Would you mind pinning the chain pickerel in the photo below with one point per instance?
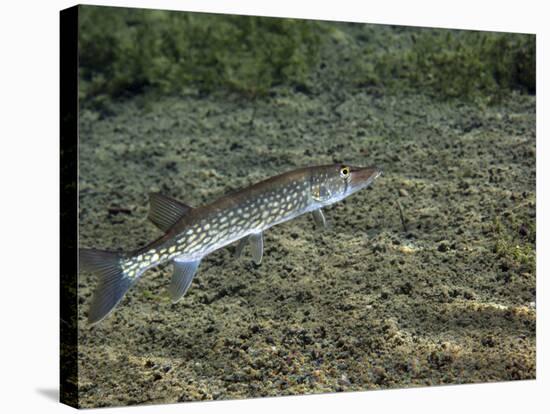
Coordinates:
(192, 233)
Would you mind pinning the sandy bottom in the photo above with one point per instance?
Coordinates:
(446, 296)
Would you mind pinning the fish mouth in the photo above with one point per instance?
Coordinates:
(362, 177)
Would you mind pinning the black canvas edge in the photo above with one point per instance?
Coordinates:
(68, 126)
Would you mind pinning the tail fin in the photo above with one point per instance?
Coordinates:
(113, 282)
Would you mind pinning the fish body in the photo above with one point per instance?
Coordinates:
(192, 233)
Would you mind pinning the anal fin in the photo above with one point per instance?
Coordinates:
(184, 272)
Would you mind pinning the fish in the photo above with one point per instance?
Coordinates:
(190, 234)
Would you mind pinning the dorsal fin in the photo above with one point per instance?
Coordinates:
(165, 211)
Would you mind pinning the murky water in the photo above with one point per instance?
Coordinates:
(441, 294)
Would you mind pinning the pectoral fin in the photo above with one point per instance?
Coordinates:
(319, 218)
(165, 211)
(257, 245)
(184, 272)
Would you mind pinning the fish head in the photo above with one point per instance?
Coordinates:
(332, 183)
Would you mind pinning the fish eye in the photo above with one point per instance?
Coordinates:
(344, 171)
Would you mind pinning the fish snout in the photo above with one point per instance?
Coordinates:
(362, 177)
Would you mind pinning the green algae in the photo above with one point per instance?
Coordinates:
(124, 52)
(517, 252)
(451, 63)
(128, 51)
